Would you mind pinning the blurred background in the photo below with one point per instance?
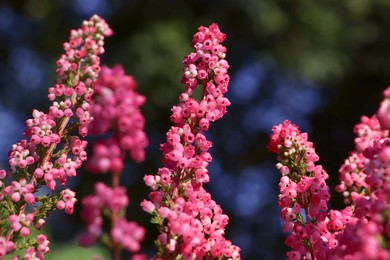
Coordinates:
(321, 64)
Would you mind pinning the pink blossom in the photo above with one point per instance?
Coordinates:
(128, 234)
(113, 199)
(193, 226)
(117, 103)
(5, 246)
(116, 109)
(383, 112)
(50, 154)
(304, 194)
(148, 206)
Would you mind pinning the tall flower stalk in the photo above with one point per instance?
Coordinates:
(52, 151)
(190, 223)
(365, 184)
(304, 193)
(359, 231)
(116, 112)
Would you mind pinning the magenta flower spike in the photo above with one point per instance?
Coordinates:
(361, 229)
(303, 194)
(365, 184)
(116, 111)
(191, 224)
(51, 152)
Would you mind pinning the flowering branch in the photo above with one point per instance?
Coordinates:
(50, 154)
(190, 223)
(360, 230)
(116, 109)
(304, 193)
(365, 184)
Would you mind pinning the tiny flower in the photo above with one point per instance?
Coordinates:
(148, 206)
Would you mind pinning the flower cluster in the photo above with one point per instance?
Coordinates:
(117, 106)
(190, 223)
(67, 201)
(50, 154)
(360, 230)
(304, 193)
(365, 183)
(42, 249)
(116, 112)
(352, 174)
(127, 234)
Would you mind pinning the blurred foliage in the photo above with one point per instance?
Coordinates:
(73, 251)
(151, 50)
(320, 63)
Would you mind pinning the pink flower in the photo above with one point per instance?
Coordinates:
(128, 234)
(116, 108)
(177, 194)
(148, 206)
(383, 112)
(68, 201)
(49, 154)
(117, 104)
(303, 189)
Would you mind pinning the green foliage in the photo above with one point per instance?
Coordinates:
(321, 39)
(73, 251)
